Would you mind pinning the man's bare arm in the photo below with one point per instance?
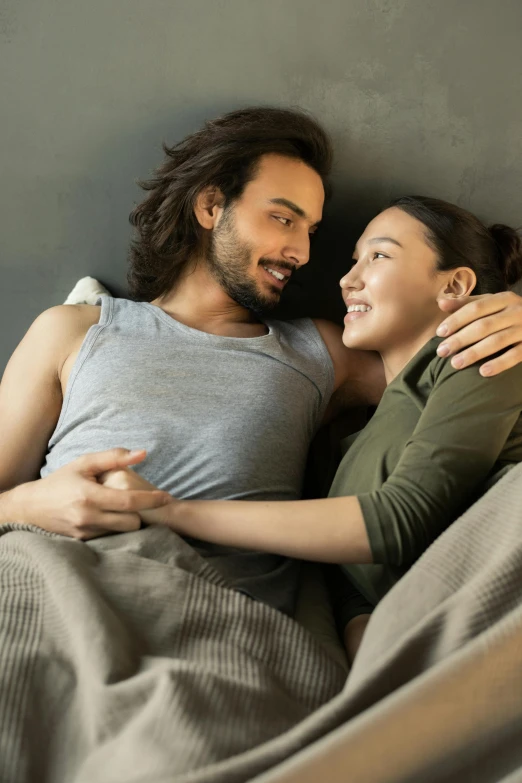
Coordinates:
(31, 394)
(70, 501)
(359, 375)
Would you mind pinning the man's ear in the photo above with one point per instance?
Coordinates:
(208, 206)
(460, 282)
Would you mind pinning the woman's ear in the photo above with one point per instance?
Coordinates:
(208, 206)
(460, 282)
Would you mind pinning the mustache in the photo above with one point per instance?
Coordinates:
(281, 264)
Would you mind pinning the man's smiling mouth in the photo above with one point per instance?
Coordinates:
(275, 273)
(279, 277)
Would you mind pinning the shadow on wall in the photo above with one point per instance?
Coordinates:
(315, 289)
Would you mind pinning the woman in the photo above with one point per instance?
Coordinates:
(438, 437)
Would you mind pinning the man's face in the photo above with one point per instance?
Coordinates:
(264, 237)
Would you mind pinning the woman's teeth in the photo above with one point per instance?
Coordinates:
(358, 308)
(273, 272)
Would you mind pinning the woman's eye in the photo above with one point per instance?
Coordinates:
(382, 255)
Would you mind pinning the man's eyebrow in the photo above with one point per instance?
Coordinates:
(385, 239)
(284, 202)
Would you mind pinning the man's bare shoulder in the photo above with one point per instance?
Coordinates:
(332, 335)
(359, 375)
(344, 359)
(68, 316)
(56, 332)
(328, 329)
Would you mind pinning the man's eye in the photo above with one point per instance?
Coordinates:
(285, 221)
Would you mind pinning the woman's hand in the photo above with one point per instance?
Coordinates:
(480, 327)
(353, 635)
(127, 479)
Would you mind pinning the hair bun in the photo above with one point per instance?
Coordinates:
(509, 246)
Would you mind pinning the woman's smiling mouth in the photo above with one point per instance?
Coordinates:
(356, 309)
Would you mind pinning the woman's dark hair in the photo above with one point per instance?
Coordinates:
(461, 239)
(224, 154)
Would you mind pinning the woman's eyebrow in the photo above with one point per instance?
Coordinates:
(385, 239)
(374, 241)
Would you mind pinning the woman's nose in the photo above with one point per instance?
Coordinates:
(352, 279)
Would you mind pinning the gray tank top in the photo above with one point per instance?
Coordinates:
(220, 417)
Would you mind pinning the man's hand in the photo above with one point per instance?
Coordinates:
(129, 481)
(73, 503)
(483, 325)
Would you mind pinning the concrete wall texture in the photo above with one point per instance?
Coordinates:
(421, 96)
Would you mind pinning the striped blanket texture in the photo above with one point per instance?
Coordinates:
(129, 659)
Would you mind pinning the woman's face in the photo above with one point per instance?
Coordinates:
(393, 285)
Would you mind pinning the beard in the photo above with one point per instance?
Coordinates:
(230, 260)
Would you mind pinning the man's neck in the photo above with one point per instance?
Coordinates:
(200, 302)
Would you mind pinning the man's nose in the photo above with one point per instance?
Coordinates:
(298, 252)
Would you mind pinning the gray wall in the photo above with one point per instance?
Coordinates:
(420, 96)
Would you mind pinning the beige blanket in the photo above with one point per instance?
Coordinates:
(128, 659)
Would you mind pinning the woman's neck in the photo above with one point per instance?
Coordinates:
(397, 357)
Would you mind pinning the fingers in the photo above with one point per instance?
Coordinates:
(476, 333)
(102, 461)
(484, 326)
(483, 349)
(125, 479)
(501, 363)
(132, 500)
(473, 308)
(115, 479)
(102, 523)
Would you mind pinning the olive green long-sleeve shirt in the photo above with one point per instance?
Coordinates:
(438, 438)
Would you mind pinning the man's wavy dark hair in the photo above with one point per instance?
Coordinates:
(224, 154)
